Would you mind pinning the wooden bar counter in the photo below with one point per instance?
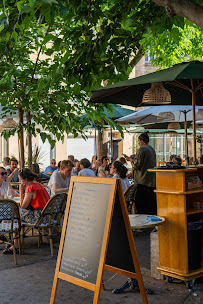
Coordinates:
(175, 204)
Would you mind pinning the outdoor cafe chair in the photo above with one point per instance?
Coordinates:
(10, 223)
(130, 195)
(49, 223)
(47, 188)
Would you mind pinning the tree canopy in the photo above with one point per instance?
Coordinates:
(53, 53)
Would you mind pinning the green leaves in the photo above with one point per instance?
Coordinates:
(32, 3)
(20, 5)
(52, 74)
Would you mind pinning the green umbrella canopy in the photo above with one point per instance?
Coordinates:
(158, 131)
(178, 80)
(117, 112)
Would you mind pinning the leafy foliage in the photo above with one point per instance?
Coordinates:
(53, 53)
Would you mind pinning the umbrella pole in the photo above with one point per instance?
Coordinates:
(194, 125)
(111, 145)
(186, 139)
(95, 141)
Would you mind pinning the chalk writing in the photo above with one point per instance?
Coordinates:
(85, 228)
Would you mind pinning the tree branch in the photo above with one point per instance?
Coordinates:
(184, 8)
(40, 49)
(88, 19)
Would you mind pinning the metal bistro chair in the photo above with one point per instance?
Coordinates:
(130, 195)
(10, 222)
(49, 220)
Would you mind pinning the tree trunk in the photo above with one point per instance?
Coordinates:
(29, 140)
(101, 147)
(21, 138)
(184, 8)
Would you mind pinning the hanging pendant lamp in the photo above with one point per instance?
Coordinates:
(196, 125)
(9, 123)
(157, 94)
(174, 125)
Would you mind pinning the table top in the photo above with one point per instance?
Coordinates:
(138, 221)
(16, 199)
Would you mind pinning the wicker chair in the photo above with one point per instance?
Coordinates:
(10, 222)
(49, 220)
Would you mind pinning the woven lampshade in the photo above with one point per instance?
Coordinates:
(197, 126)
(166, 116)
(174, 125)
(9, 123)
(157, 94)
(122, 123)
(2, 128)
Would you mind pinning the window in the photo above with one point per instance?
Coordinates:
(148, 57)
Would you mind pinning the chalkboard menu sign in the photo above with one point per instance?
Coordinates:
(119, 252)
(85, 229)
(96, 235)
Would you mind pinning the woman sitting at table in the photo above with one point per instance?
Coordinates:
(31, 202)
(5, 186)
(103, 169)
(118, 170)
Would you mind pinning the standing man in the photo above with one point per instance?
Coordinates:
(13, 171)
(145, 159)
(50, 169)
(60, 180)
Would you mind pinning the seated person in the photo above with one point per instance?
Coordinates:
(76, 169)
(5, 185)
(123, 161)
(6, 162)
(118, 170)
(60, 180)
(85, 168)
(13, 171)
(103, 169)
(36, 170)
(72, 158)
(50, 169)
(94, 166)
(31, 202)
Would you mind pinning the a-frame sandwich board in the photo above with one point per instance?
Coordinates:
(95, 218)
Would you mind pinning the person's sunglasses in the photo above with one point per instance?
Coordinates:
(106, 158)
(3, 173)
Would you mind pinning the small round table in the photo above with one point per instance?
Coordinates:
(141, 221)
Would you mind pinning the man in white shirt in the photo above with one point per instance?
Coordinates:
(85, 168)
(60, 180)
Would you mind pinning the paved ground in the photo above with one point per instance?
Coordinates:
(30, 282)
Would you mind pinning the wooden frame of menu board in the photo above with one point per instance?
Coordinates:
(95, 220)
